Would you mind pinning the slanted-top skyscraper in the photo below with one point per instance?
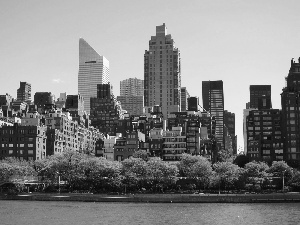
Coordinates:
(93, 70)
(162, 72)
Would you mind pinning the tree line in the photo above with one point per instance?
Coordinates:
(140, 173)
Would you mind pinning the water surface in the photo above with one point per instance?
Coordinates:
(73, 213)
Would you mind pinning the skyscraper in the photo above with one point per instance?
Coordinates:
(162, 72)
(105, 110)
(93, 70)
(184, 99)
(229, 122)
(132, 96)
(290, 103)
(213, 102)
(24, 92)
(132, 87)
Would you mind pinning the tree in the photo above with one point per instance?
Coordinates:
(226, 174)
(141, 154)
(241, 160)
(186, 163)
(80, 171)
(134, 171)
(103, 175)
(294, 182)
(224, 155)
(281, 169)
(161, 174)
(256, 173)
(14, 169)
(201, 171)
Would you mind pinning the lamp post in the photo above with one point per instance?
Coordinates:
(283, 181)
(58, 182)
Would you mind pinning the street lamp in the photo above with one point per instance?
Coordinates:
(58, 182)
(283, 181)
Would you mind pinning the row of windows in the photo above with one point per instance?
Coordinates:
(20, 151)
(30, 131)
(17, 145)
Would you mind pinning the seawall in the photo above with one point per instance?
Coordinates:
(160, 198)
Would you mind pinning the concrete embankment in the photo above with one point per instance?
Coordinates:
(160, 198)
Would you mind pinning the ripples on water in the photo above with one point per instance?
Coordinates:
(73, 213)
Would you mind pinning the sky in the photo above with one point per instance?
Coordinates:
(242, 43)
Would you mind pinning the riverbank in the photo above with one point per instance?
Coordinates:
(159, 198)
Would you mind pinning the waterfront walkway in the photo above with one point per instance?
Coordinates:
(158, 198)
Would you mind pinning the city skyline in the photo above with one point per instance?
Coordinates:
(241, 43)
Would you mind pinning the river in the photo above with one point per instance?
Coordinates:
(86, 213)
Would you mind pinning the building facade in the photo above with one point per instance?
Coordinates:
(213, 102)
(41, 99)
(184, 99)
(132, 104)
(290, 103)
(132, 96)
(132, 87)
(75, 103)
(93, 70)
(24, 92)
(162, 73)
(264, 137)
(174, 144)
(23, 142)
(260, 94)
(105, 110)
(229, 123)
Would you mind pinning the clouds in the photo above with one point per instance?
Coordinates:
(57, 80)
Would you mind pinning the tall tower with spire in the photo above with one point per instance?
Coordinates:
(162, 72)
(93, 70)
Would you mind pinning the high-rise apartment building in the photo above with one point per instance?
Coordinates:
(24, 92)
(75, 103)
(41, 99)
(213, 102)
(260, 96)
(132, 87)
(162, 72)
(132, 96)
(229, 122)
(93, 70)
(105, 110)
(184, 99)
(193, 104)
(262, 126)
(263, 135)
(290, 103)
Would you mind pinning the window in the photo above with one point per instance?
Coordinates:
(30, 145)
